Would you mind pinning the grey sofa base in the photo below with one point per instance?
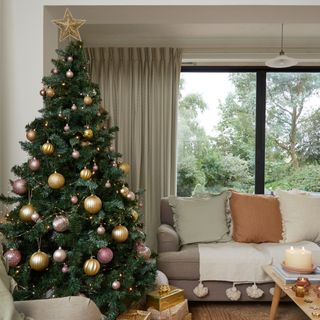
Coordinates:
(217, 290)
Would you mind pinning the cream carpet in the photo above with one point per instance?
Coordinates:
(243, 311)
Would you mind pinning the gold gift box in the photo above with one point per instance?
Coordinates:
(163, 301)
(135, 315)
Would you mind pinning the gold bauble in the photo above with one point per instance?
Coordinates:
(26, 212)
(135, 215)
(47, 148)
(91, 267)
(56, 180)
(31, 135)
(85, 174)
(88, 134)
(92, 204)
(39, 261)
(50, 92)
(125, 167)
(120, 233)
(124, 191)
(87, 100)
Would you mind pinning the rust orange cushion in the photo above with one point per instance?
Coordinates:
(255, 218)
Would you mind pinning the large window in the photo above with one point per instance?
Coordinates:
(249, 130)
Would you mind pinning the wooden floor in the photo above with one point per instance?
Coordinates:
(243, 311)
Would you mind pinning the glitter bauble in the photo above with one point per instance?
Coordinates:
(19, 186)
(65, 268)
(88, 134)
(60, 223)
(69, 74)
(108, 184)
(87, 100)
(85, 174)
(59, 255)
(13, 257)
(91, 267)
(35, 217)
(50, 92)
(74, 199)
(70, 59)
(39, 261)
(73, 107)
(26, 212)
(34, 164)
(120, 233)
(125, 167)
(131, 196)
(66, 128)
(105, 255)
(101, 230)
(56, 180)
(92, 204)
(115, 285)
(75, 154)
(31, 135)
(144, 252)
(47, 148)
(135, 215)
(124, 191)
(43, 92)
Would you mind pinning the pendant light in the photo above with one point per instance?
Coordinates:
(282, 60)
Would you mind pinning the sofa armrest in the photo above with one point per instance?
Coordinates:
(168, 239)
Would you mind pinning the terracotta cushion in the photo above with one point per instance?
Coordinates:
(255, 218)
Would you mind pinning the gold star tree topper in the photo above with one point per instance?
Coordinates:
(69, 26)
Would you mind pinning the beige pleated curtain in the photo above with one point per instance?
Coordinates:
(139, 88)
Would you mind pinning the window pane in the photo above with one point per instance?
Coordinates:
(216, 132)
(292, 131)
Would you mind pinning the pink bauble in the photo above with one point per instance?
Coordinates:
(140, 204)
(35, 217)
(65, 268)
(59, 255)
(108, 184)
(131, 196)
(69, 74)
(101, 230)
(60, 223)
(75, 154)
(105, 255)
(13, 257)
(19, 186)
(95, 167)
(116, 285)
(66, 128)
(34, 164)
(74, 199)
(73, 107)
(144, 252)
(55, 71)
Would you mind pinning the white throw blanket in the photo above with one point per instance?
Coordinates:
(242, 262)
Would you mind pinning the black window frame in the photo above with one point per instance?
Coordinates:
(261, 87)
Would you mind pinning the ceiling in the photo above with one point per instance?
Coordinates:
(209, 34)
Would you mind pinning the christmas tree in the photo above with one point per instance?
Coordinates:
(75, 224)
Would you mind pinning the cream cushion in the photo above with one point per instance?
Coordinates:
(300, 216)
(200, 219)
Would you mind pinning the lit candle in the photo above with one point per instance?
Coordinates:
(298, 258)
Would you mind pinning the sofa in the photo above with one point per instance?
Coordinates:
(180, 261)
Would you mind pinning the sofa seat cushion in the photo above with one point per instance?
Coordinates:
(182, 264)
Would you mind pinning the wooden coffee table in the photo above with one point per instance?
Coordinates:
(311, 309)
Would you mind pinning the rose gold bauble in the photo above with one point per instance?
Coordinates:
(31, 135)
(88, 134)
(43, 92)
(75, 154)
(60, 223)
(135, 215)
(47, 148)
(34, 164)
(120, 233)
(13, 257)
(39, 261)
(59, 255)
(87, 100)
(92, 204)
(91, 267)
(116, 285)
(70, 59)
(74, 199)
(35, 216)
(144, 252)
(124, 191)
(73, 107)
(54, 71)
(85, 174)
(125, 167)
(56, 180)
(19, 186)
(69, 74)
(101, 230)
(108, 184)
(105, 255)
(50, 92)
(26, 212)
(131, 196)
